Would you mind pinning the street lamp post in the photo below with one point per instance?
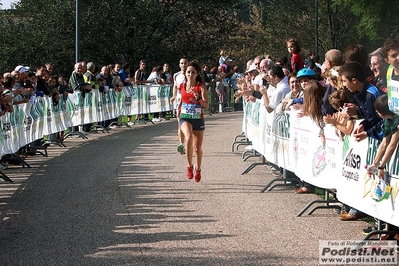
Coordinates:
(77, 45)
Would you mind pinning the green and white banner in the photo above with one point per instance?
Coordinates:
(29, 122)
(338, 163)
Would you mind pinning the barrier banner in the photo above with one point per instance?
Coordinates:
(85, 108)
(254, 125)
(9, 139)
(357, 189)
(277, 137)
(145, 99)
(132, 98)
(61, 114)
(315, 162)
(31, 121)
(336, 163)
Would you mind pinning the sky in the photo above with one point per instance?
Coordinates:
(6, 3)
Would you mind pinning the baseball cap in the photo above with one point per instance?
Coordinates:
(22, 69)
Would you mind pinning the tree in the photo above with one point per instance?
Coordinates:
(378, 19)
(116, 31)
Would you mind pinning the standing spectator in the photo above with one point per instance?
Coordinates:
(7, 99)
(358, 53)
(226, 68)
(296, 58)
(235, 77)
(223, 57)
(379, 67)
(333, 58)
(354, 78)
(194, 99)
(261, 79)
(155, 78)
(90, 78)
(77, 83)
(140, 78)
(41, 82)
(313, 94)
(296, 89)
(104, 71)
(391, 55)
(116, 79)
(221, 84)
(278, 80)
(390, 135)
(166, 76)
(155, 75)
(205, 73)
(50, 68)
(309, 62)
(84, 66)
(124, 74)
(340, 119)
(22, 75)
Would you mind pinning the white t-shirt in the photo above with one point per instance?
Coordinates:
(178, 78)
(154, 75)
(258, 80)
(282, 89)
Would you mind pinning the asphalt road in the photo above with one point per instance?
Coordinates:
(121, 198)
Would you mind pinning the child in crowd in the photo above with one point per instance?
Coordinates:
(102, 83)
(390, 135)
(313, 94)
(354, 78)
(223, 57)
(340, 120)
(53, 87)
(296, 58)
(387, 147)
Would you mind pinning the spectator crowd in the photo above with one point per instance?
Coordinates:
(349, 85)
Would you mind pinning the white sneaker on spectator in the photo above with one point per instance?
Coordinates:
(130, 123)
(156, 120)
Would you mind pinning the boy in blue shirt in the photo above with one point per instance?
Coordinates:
(354, 78)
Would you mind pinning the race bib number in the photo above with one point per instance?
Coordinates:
(190, 111)
(393, 96)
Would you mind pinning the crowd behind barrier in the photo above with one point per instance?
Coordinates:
(34, 120)
(294, 144)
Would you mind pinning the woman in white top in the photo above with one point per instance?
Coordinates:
(155, 76)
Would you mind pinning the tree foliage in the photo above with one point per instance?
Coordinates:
(115, 31)
(40, 31)
(378, 19)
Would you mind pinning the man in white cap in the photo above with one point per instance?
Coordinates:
(23, 74)
(22, 69)
(253, 72)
